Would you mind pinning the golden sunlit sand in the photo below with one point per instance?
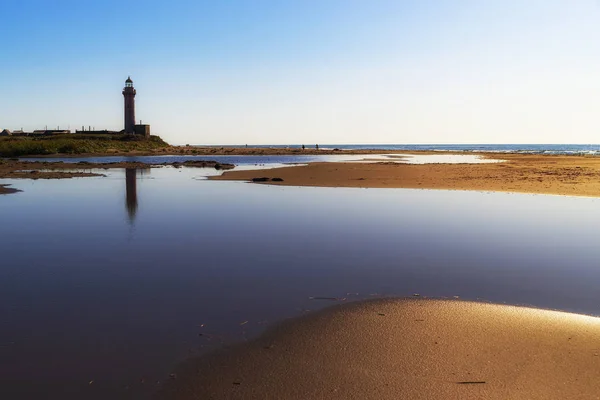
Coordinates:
(524, 173)
(406, 349)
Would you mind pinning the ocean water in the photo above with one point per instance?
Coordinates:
(493, 148)
(106, 283)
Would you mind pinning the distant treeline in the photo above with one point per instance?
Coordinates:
(77, 144)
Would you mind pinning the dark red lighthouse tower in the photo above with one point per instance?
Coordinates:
(129, 95)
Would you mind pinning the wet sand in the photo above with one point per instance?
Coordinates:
(406, 349)
(546, 174)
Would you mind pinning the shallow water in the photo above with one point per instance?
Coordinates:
(428, 159)
(447, 159)
(112, 279)
(273, 161)
(245, 160)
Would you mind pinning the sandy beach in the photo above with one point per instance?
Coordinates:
(523, 173)
(406, 349)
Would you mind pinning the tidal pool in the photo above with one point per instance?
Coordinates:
(106, 283)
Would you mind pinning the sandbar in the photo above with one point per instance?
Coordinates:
(523, 173)
(405, 349)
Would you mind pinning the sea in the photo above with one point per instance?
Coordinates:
(482, 148)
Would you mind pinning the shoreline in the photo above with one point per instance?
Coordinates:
(235, 151)
(405, 348)
(232, 151)
(568, 175)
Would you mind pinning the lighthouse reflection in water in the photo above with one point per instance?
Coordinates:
(131, 198)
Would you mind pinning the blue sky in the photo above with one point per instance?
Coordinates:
(326, 71)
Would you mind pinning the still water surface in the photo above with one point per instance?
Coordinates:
(111, 280)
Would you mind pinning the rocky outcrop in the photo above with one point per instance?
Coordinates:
(265, 179)
(201, 164)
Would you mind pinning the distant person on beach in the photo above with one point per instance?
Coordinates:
(317, 146)
(303, 147)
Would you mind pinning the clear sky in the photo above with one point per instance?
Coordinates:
(311, 71)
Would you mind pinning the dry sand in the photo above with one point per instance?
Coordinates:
(548, 174)
(406, 349)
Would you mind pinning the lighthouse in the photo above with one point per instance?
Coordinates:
(129, 95)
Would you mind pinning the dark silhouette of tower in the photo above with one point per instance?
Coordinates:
(131, 193)
(129, 95)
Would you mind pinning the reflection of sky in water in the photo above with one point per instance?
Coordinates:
(234, 159)
(446, 159)
(86, 295)
(426, 159)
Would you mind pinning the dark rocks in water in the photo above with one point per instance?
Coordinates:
(265, 179)
(201, 164)
(224, 166)
(207, 164)
(4, 189)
